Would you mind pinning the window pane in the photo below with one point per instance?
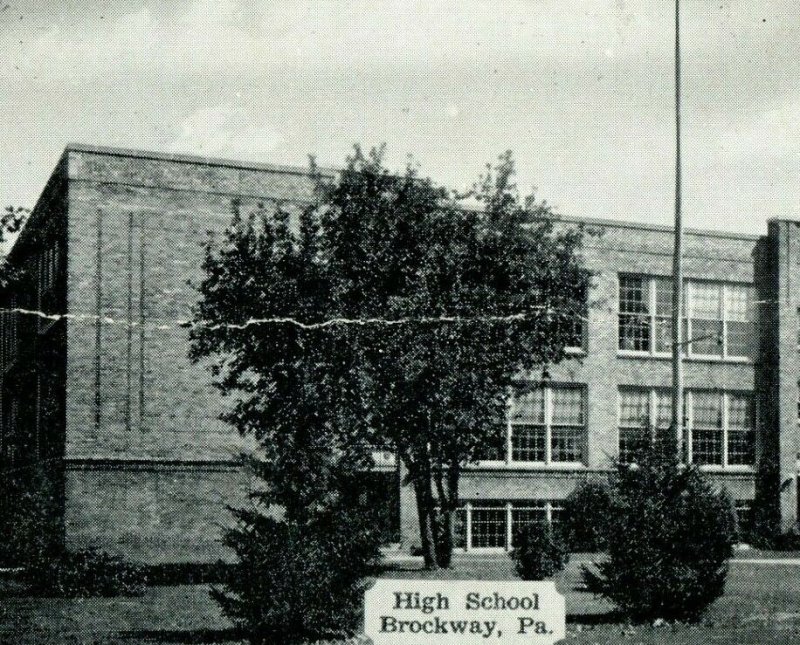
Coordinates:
(527, 442)
(740, 411)
(460, 528)
(633, 294)
(528, 407)
(663, 409)
(634, 408)
(634, 332)
(634, 309)
(741, 448)
(576, 334)
(707, 429)
(741, 433)
(707, 409)
(567, 443)
(741, 338)
(634, 421)
(663, 287)
(706, 336)
(705, 301)
(707, 446)
(663, 334)
(488, 527)
(567, 405)
(739, 303)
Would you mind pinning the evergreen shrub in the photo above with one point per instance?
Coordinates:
(298, 580)
(670, 536)
(538, 552)
(585, 518)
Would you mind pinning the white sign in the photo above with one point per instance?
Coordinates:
(463, 612)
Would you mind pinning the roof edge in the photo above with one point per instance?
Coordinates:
(330, 172)
(194, 159)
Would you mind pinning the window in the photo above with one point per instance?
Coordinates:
(577, 335)
(493, 524)
(545, 425)
(707, 428)
(741, 444)
(719, 317)
(721, 428)
(488, 525)
(527, 427)
(634, 313)
(640, 412)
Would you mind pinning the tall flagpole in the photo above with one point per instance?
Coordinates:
(677, 263)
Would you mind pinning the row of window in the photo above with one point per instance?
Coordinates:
(494, 524)
(719, 319)
(548, 425)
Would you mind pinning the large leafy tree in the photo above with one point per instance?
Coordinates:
(397, 318)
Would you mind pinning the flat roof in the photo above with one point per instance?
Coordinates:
(297, 170)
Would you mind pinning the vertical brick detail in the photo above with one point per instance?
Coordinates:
(129, 330)
(98, 334)
(142, 315)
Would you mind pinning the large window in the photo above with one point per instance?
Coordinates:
(545, 425)
(493, 524)
(719, 317)
(721, 428)
(642, 412)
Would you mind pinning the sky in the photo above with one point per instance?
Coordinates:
(581, 90)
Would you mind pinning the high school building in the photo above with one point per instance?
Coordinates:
(107, 400)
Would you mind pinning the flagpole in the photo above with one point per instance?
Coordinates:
(677, 264)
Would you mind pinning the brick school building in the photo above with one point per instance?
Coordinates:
(129, 428)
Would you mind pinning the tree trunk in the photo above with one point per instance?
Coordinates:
(444, 534)
(426, 528)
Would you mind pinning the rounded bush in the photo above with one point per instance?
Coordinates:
(585, 517)
(87, 573)
(538, 552)
(670, 536)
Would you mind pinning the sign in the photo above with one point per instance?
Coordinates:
(463, 612)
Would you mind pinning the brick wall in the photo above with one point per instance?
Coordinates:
(136, 227)
(153, 512)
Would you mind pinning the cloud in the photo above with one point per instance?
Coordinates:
(226, 130)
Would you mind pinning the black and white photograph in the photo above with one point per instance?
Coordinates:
(423, 322)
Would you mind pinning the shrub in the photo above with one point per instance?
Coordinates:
(585, 517)
(297, 580)
(670, 536)
(86, 573)
(538, 553)
(30, 509)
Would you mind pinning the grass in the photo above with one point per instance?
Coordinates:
(760, 606)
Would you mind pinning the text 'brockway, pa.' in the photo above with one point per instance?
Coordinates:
(463, 612)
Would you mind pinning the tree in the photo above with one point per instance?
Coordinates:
(412, 319)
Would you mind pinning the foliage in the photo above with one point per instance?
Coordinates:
(436, 310)
(12, 219)
(538, 552)
(29, 511)
(586, 516)
(297, 580)
(86, 573)
(670, 535)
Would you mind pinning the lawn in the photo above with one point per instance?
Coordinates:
(761, 606)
